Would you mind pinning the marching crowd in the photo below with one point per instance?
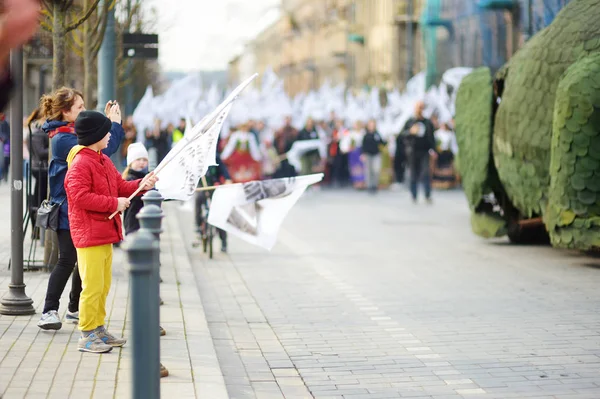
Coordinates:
(357, 155)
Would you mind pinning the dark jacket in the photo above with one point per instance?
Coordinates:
(371, 142)
(420, 144)
(306, 134)
(6, 86)
(130, 220)
(39, 144)
(4, 132)
(216, 174)
(61, 145)
(93, 185)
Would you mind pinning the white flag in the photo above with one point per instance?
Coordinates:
(301, 147)
(190, 159)
(255, 210)
(180, 173)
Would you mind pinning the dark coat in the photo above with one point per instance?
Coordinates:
(130, 220)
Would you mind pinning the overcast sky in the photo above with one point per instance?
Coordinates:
(206, 34)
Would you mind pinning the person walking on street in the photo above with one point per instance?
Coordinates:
(420, 145)
(61, 109)
(371, 156)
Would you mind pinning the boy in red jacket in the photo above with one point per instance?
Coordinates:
(95, 190)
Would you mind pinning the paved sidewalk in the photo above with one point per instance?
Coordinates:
(41, 364)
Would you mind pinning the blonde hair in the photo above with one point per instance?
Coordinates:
(53, 105)
(126, 172)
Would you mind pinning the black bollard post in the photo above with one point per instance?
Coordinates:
(150, 217)
(142, 249)
(153, 197)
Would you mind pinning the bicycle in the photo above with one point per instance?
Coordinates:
(207, 231)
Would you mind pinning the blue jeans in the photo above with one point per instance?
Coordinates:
(419, 171)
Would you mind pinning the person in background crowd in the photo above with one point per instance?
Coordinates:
(19, 20)
(179, 131)
(26, 154)
(350, 144)
(283, 141)
(339, 172)
(371, 155)
(95, 189)
(60, 109)
(400, 159)
(130, 137)
(420, 145)
(242, 155)
(214, 176)
(445, 175)
(4, 145)
(160, 140)
(39, 146)
(310, 158)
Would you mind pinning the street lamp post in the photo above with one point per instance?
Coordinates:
(16, 302)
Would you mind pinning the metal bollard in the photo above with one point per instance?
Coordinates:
(150, 217)
(153, 197)
(142, 249)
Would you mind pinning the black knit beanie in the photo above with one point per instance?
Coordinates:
(91, 127)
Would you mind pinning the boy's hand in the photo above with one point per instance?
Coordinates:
(149, 181)
(123, 203)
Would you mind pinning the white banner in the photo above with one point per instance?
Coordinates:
(179, 176)
(254, 211)
(301, 147)
(190, 159)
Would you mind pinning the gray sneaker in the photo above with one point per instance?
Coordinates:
(72, 317)
(110, 339)
(50, 321)
(93, 344)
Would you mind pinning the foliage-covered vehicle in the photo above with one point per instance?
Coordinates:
(529, 137)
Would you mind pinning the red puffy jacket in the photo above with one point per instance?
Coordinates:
(93, 185)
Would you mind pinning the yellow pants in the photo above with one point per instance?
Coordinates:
(95, 269)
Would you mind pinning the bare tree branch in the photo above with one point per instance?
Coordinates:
(86, 15)
(77, 38)
(134, 11)
(64, 5)
(100, 34)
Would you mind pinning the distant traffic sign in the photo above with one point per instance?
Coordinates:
(140, 45)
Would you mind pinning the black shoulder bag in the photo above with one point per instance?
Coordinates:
(47, 215)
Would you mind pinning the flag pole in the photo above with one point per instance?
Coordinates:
(209, 188)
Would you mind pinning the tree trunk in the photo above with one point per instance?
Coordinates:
(88, 59)
(88, 65)
(59, 43)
